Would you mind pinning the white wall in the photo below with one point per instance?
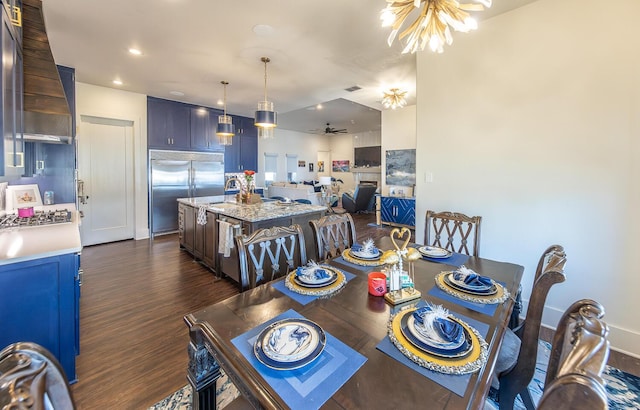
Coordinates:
(122, 105)
(398, 132)
(532, 121)
(305, 146)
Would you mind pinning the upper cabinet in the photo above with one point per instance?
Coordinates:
(178, 126)
(12, 156)
(243, 153)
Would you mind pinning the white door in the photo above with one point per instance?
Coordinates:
(105, 180)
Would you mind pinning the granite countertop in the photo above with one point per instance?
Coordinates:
(19, 244)
(252, 213)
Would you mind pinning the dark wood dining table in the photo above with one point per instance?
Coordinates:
(355, 318)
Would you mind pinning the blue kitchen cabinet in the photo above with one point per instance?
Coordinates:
(243, 153)
(398, 211)
(11, 103)
(39, 301)
(168, 124)
(204, 122)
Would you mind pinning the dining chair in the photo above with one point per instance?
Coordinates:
(32, 377)
(269, 253)
(333, 234)
(579, 354)
(516, 362)
(453, 231)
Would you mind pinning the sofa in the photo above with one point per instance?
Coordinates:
(295, 191)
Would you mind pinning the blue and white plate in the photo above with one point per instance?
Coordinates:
(313, 281)
(365, 255)
(434, 252)
(475, 290)
(464, 349)
(289, 344)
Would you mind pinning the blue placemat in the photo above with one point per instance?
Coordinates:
(456, 259)
(357, 267)
(486, 309)
(455, 383)
(310, 386)
(304, 299)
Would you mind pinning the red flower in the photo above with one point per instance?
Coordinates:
(249, 172)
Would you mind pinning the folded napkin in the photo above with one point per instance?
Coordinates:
(312, 273)
(437, 325)
(367, 247)
(469, 277)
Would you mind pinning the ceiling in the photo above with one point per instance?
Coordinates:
(317, 50)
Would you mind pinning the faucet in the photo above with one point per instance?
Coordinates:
(232, 179)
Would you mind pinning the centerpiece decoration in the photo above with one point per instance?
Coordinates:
(397, 294)
(247, 193)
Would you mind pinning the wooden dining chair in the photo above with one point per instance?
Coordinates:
(32, 377)
(269, 253)
(333, 234)
(453, 231)
(579, 354)
(516, 362)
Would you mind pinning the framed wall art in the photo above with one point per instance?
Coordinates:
(310, 166)
(302, 164)
(340, 165)
(22, 196)
(401, 167)
(320, 166)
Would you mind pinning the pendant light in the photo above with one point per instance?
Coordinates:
(226, 129)
(266, 117)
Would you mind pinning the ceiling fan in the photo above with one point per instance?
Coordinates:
(330, 130)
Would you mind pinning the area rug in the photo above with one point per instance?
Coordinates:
(623, 389)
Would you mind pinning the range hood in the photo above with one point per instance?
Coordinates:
(47, 117)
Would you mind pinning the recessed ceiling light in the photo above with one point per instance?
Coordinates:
(117, 82)
(319, 106)
(220, 102)
(135, 51)
(263, 29)
(177, 93)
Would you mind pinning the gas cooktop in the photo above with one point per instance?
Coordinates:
(39, 218)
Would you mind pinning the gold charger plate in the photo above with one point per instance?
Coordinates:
(293, 286)
(470, 363)
(346, 255)
(500, 296)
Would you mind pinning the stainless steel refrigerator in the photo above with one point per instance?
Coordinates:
(175, 174)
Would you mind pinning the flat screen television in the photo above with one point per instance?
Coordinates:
(367, 157)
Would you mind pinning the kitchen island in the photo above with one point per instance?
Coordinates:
(40, 286)
(199, 220)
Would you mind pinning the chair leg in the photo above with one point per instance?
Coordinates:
(526, 399)
(506, 396)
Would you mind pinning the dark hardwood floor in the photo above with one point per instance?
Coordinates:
(133, 342)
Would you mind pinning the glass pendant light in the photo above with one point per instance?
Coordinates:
(266, 117)
(225, 130)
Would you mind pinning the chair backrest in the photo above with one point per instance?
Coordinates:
(333, 234)
(28, 372)
(269, 253)
(514, 381)
(578, 357)
(303, 201)
(453, 231)
(362, 196)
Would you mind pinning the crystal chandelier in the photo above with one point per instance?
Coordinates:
(225, 130)
(265, 116)
(432, 25)
(394, 99)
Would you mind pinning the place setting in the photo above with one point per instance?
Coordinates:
(300, 360)
(306, 283)
(365, 254)
(437, 344)
(442, 255)
(466, 287)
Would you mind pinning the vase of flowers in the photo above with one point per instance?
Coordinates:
(247, 190)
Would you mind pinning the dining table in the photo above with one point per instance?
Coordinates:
(363, 369)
